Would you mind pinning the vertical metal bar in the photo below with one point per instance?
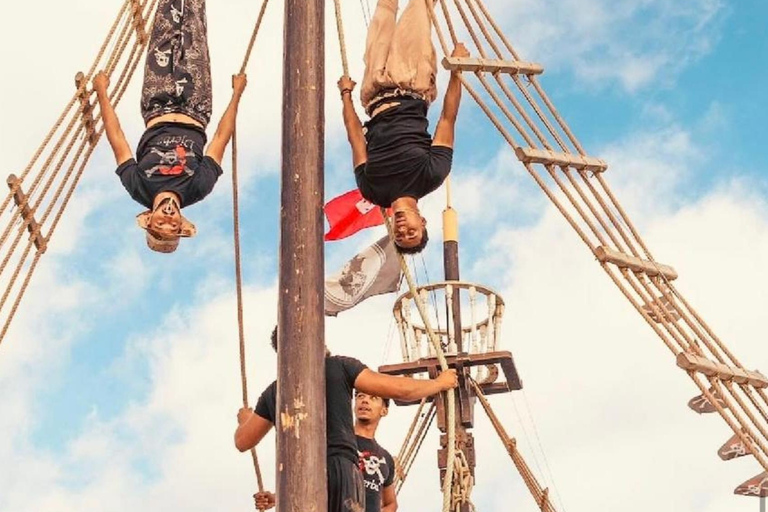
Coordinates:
(301, 439)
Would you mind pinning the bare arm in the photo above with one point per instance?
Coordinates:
(352, 123)
(388, 499)
(444, 133)
(115, 135)
(227, 124)
(251, 429)
(403, 388)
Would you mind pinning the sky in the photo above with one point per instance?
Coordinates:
(119, 379)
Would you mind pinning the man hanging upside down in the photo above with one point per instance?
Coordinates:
(342, 375)
(172, 168)
(396, 161)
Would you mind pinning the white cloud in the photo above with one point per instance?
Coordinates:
(632, 42)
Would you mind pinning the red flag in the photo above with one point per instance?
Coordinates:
(349, 213)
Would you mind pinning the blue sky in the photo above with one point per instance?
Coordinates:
(119, 379)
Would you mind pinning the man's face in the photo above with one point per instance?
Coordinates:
(166, 219)
(369, 408)
(409, 227)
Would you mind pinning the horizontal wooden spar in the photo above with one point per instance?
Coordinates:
(475, 65)
(724, 372)
(651, 268)
(548, 157)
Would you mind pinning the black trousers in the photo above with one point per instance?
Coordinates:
(346, 492)
(177, 73)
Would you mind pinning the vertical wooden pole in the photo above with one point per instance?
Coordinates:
(301, 445)
(465, 411)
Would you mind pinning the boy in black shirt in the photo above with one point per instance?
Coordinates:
(172, 168)
(396, 160)
(343, 375)
(377, 464)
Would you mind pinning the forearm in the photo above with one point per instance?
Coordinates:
(416, 389)
(452, 99)
(390, 507)
(114, 131)
(227, 124)
(351, 121)
(111, 122)
(354, 132)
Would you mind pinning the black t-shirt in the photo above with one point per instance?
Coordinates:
(340, 375)
(402, 162)
(170, 158)
(378, 469)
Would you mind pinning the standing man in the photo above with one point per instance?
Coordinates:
(376, 463)
(396, 160)
(342, 376)
(172, 168)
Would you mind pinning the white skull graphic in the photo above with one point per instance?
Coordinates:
(373, 466)
(180, 86)
(176, 13)
(162, 57)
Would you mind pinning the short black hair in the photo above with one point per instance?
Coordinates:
(274, 339)
(416, 249)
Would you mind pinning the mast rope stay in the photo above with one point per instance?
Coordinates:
(236, 241)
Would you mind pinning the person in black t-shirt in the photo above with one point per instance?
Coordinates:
(342, 376)
(396, 161)
(376, 463)
(173, 168)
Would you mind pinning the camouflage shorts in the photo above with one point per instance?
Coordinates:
(177, 73)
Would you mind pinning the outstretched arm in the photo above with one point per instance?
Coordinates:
(251, 429)
(444, 133)
(404, 388)
(352, 123)
(115, 135)
(227, 124)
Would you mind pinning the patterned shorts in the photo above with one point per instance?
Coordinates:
(177, 73)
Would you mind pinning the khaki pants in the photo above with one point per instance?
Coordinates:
(399, 54)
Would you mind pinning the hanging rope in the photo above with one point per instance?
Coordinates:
(342, 40)
(236, 235)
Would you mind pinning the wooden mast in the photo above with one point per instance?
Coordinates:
(301, 444)
(465, 411)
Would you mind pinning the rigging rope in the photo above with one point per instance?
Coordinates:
(236, 235)
(82, 122)
(592, 210)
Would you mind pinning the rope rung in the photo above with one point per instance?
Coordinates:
(667, 309)
(724, 372)
(138, 21)
(26, 213)
(650, 268)
(86, 109)
(478, 65)
(548, 157)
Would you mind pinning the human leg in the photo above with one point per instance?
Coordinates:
(177, 73)
(377, 44)
(412, 61)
